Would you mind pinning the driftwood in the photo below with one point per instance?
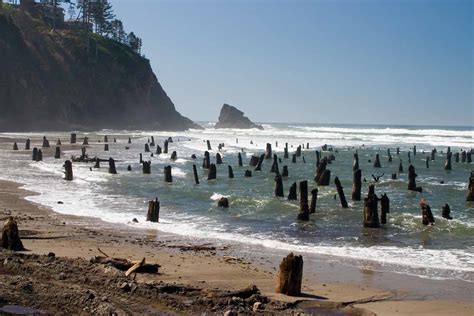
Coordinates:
(427, 217)
(278, 186)
(196, 177)
(68, 170)
(411, 180)
(125, 265)
(290, 275)
(168, 176)
(371, 216)
(446, 211)
(314, 198)
(10, 236)
(153, 214)
(340, 192)
(304, 208)
(212, 172)
(356, 185)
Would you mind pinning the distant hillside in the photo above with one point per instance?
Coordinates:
(59, 81)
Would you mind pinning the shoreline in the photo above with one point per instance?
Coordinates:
(233, 265)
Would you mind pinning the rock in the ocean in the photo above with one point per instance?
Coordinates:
(231, 117)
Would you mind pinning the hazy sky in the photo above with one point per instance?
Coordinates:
(386, 62)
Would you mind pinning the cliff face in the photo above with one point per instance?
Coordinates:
(67, 80)
(231, 117)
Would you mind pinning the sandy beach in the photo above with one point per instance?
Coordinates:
(188, 265)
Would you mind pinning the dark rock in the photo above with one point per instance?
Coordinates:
(231, 117)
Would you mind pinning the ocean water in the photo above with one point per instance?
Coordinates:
(255, 216)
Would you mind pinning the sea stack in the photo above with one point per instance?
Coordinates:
(231, 117)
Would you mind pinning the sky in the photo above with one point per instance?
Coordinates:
(308, 61)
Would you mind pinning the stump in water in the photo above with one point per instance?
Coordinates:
(68, 176)
(469, 157)
(325, 178)
(377, 162)
(470, 188)
(253, 161)
(206, 161)
(141, 158)
(146, 166)
(355, 163)
(260, 161)
(57, 153)
(304, 208)
(284, 172)
(394, 176)
(356, 185)
(45, 142)
(248, 173)
(320, 170)
(278, 186)
(27, 144)
(239, 157)
(208, 145)
(433, 154)
(340, 192)
(307, 145)
(218, 159)
(314, 199)
(398, 150)
(165, 147)
(112, 169)
(10, 236)
(463, 156)
(174, 155)
(427, 217)
(147, 148)
(223, 202)
(292, 194)
(158, 150)
(411, 179)
(97, 163)
(293, 158)
(298, 151)
(275, 168)
(73, 138)
(385, 208)
(456, 157)
(153, 214)
(400, 167)
(115, 140)
(152, 144)
(290, 275)
(212, 172)
(106, 147)
(129, 140)
(129, 168)
(268, 151)
(427, 162)
(318, 158)
(414, 150)
(196, 177)
(106, 139)
(409, 157)
(15, 146)
(285, 152)
(86, 141)
(371, 216)
(167, 172)
(231, 172)
(40, 155)
(446, 211)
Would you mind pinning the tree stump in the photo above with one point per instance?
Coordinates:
(463, 156)
(433, 154)
(409, 157)
(40, 155)
(152, 144)
(112, 169)
(239, 157)
(73, 138)
(158, 150)
(196, 177)
(218, 159)
(414, 150)
(57, 153)
(325, 178)
(231, 172)
(147, 148)
(129, 168)
(371, 216)
(223, 202)
(314, 199)
(141, 158)
(10, 236)
(411, 179)
(394, 176)
(115, 140)
(253, 161)
(278, 186)
(174, 155)
(456, 157)
(268, 151)
(275, 169)
(45, 142)
(106, 147)
(427, 162)
(129, 140)
(446, 211)
(27, 144)
(206, 161)
(298, 151)
(355, 163)
(167, 172)
(97, 163)
(321, 168)
(248, 173)
(377, 162)
(153, 214)
(292, 194)
(427, 217)
(260, 161)
(293, 158)
(304, 208)
(285, 152)
(165, 147)
(284, 172)
(340, 192)
(447, 164)
(68, 176)
(212, 172)
(15, 146)
(470, 188)
(106, 139)
(146, 167)
(209, 148)
(385, 208)
(356, 185)
(400, 167)
(469, 157)
(290, 275)
(85, 141)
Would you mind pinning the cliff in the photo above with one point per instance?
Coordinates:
(66, 79)
(231, 117)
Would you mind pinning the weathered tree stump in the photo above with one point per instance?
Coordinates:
(278, 186)
(463, 156)
(427, 217)
(115, 140)
(218, 159)
(318, 158)
(268, 151)
(152, 144)
(165, 147)
(129, 168)
(206, 161)
(106, 139)
(377, 162)
(275, 169)
(324, 147)
(15, 146)
(292, 194)
(356, 185)
(385, 208)
(196, 177)
(400, 167)
(106, 147)
(85, 142)
(446, 211)
(411, 179)
(174, 155)
(394, 176)
(168, 176)
(97, 163)
(141, 158)
(322, 177)
(433, 154)
(456, 157)
(209, 148)
(40, 155)
(253, 161)
(73, 138)
(409, 157)
(470, 188)
(146, 167)
(340, 192)
(10, 236)
(355, 162)
(414, 150)
(223, 202)
(304, 207)
(129, 140)
(398, 150)
(469, 157)
(293, 158)
(371, 216)
(239, 158)
(325, 178)
(284, 172)
(248, 173)
(231, 172)
(298, 151)
(427, 162)
(158, 150)
(27, 144)
(68, 176)
(112, 169)
(290, 275)
(57, 153)
(153, 214)
(260, 161)
(45, 142)
(314, 199)
(285, 152)
(307, 145)
(212, 172)
(147, 148)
